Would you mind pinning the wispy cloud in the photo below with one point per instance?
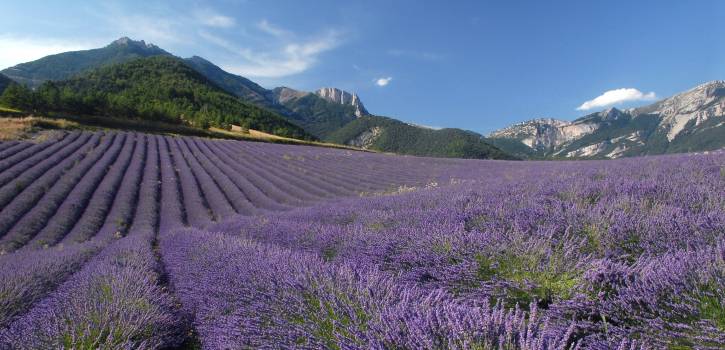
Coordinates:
(151, 28)
(286, 55)
(210, 18)
(16, 49)
(273, 30)
(615, 97)
(383, 81)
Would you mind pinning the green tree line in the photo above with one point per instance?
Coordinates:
(156, 88)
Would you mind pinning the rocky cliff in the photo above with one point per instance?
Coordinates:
(344, 98)
(690, 121)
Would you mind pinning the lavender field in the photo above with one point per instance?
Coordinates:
(129, 240)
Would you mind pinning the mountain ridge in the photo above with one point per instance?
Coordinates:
(693, 120)
(64, 65)
(320, 113)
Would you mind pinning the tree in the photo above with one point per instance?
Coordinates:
(17, 96)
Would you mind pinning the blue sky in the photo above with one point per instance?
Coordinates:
(478, 65)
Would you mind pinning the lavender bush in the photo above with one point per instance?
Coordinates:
(123, 240)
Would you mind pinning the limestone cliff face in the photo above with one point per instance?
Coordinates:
(343, 97)
(699, 104)
(546, 133)
(690, 121)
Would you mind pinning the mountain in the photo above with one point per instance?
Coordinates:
(64, 65)
(319, 115)
(691, 121)
(344, 98)
(390, 135)
(158, 88)
(236, 85)
(133, 79)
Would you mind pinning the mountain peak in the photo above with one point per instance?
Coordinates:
(126, 41)
(611, 113)
(344, 98)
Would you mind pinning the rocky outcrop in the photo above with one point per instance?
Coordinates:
(367, 138)
(546, 133)
(690, 121)
(284, 94)
(344, 98)
(698, 104)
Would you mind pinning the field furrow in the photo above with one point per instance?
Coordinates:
(17, 170)
(13, 147)
(172, 214)
(99, 205)
(269, 170)
(25, 153)
(23, 202)
(228, 189)
(73, 206)
(34, 220)
(217, 201)
(198, 213)
(122, 211)
(269, 186)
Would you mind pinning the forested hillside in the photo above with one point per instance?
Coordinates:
(159, 88)
(390, 135)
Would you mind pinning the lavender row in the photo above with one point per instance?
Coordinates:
(29, 197)
(216, 200)
(30, 275)
(64, 216)
(19, 169)
(259, 193)
(172, 212)
(99, 204)
(197, 210)
(270, 185)
(120, 216)
(114, 302)
(146, 210)
(245, 294)
(271, 170)
(228, 189)
(23, 153)
(13, 147)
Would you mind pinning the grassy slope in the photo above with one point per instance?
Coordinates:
(402, 138)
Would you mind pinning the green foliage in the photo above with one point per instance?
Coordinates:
(533, 276)
(319, 116)
(17, 96)
(402, 138)
(4, 83)
(159, 89)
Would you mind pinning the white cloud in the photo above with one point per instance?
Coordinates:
(160, 31)
(383, 81)
(16, 50)
(211, 19)
(273, 30)
(286, 55)
(617, 96)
